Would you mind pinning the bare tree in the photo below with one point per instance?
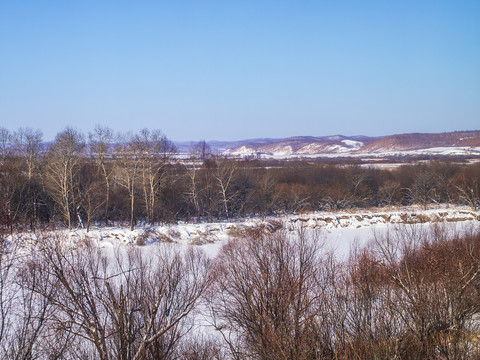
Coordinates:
(63, 158)
(198, 155)
(5, 142)
(100, 142)
(10, 181)
(424, 190)
(127, 170)
(91, 192)
(154, 151)
(467, 186)
(12, 187)
(268, 298)
(433, 278)
(28, 143)
(132, 306)
(224, 173)
(266, 195)
(388, 191)
(24, 313)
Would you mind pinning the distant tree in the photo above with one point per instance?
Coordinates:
(224, 173)
(424, 189)
(154, 151)
(100, 142)
(199, 154)
(91, 192)
(388, 192)
(266, 198)
(444, 173)
(28, 144)
(202, 151)
(467, 185)
(62, 167)
(127, 170)
(5, 142)
(12, 187)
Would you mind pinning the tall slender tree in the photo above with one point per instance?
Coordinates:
(100, 143)
(63, 158)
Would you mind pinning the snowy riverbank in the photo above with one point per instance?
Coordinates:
(340, 229)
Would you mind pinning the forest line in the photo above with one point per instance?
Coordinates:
(136, 179)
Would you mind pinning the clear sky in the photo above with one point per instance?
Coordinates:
(230, 70)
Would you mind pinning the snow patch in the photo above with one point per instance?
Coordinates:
(284, 150)
(353, 144)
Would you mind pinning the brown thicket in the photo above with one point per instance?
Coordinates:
(268, 301)
(411, 294)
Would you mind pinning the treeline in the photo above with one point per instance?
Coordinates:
(412, 294)
(109, 179)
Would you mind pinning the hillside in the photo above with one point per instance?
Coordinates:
(450, 143)
(302, 146)
(416, 141)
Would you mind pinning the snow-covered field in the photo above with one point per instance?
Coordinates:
(339, 229)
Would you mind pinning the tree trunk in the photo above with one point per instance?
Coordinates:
(132, 197)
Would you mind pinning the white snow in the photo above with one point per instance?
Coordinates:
(337, 149)
(351, 148)
(312, 148)
(353, 144)
(241, 151)
(282, 150)
(340, 229)
(448, 150)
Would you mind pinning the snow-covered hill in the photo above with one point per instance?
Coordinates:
(453, 143)
(300, 146)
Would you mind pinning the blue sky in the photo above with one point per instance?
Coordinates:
(229, 70)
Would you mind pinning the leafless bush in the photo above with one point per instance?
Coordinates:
(132, 305)
(268, 298)
(422, 295)
(412, 294)
(200, 348)
(24, 313)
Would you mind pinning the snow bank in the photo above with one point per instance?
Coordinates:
(340, 229)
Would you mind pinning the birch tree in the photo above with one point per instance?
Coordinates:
(63, 158)
(198, 155)
(224, 174)
(154, 151)
(28, 144)
(127, 164)
(100, 142)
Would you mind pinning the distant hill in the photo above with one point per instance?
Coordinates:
(301, 146)
(458, 142)
(417, 141)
